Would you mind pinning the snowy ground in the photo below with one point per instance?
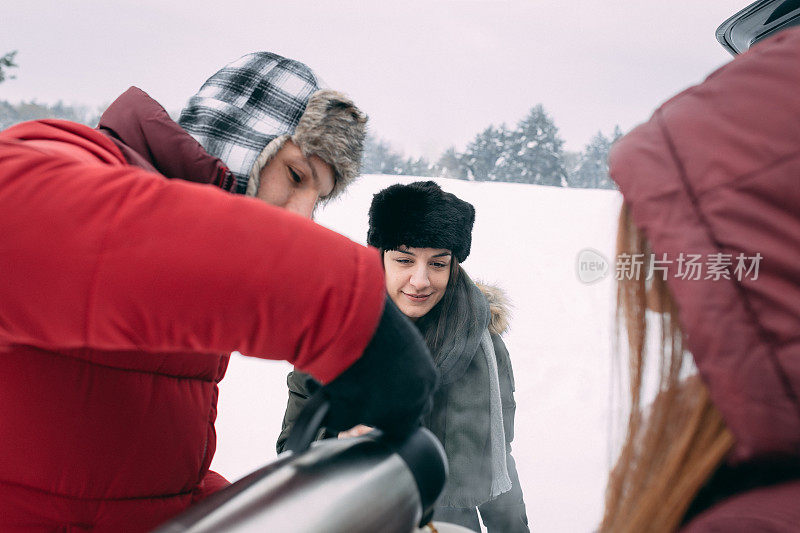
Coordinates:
(526, 239)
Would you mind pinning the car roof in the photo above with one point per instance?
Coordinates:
(756, 22)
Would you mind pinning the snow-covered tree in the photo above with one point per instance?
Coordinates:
(380, 158)
(450, 165)
(418, 167)
(7, 62)
(484, 155)
(572, 161)
(592, 168)
(535, 152)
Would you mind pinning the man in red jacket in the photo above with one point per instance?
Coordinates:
(123, 282)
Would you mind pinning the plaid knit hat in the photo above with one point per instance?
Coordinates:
(244, 114)
(420, 215)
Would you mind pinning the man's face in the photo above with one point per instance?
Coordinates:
(295, 182)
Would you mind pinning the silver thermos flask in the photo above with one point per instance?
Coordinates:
(363, 484)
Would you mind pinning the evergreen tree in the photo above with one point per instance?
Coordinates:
(616, 135)
(379, 158)
(7, 62)
(451, 165)
(592, 169)
(572, 161)
(480, 159)
(417, 167)
(535, 152)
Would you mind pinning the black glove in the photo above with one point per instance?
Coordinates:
(391, 386)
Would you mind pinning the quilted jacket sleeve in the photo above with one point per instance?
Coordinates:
(115, 258)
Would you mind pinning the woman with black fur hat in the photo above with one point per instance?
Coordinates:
(425, 235)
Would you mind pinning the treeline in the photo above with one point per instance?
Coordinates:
(11, 114)
(531, 152)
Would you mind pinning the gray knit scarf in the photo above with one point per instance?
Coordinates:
(456, 356)
(501, 482)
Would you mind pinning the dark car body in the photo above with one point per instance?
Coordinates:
(756, 22)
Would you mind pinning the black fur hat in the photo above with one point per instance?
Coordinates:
(420, 215)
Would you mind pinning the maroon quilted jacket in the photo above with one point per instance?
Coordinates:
(716, 170)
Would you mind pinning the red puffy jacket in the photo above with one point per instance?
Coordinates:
(717, 171)
(120, 289)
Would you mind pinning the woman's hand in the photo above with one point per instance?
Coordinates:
(355, 431)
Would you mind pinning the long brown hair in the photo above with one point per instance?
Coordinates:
(675, 444)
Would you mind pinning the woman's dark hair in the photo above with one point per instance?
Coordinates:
(452, 313)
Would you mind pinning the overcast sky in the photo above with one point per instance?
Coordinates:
(430, 74)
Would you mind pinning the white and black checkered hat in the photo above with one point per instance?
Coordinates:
(245, 112)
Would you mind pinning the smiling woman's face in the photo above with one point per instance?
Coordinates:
(416, 278)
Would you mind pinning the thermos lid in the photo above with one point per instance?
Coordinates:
(421, 451)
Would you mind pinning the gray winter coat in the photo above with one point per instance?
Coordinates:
(460, 419)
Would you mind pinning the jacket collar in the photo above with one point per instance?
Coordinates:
(151, 140)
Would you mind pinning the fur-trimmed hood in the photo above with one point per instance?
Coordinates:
(499, 307)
